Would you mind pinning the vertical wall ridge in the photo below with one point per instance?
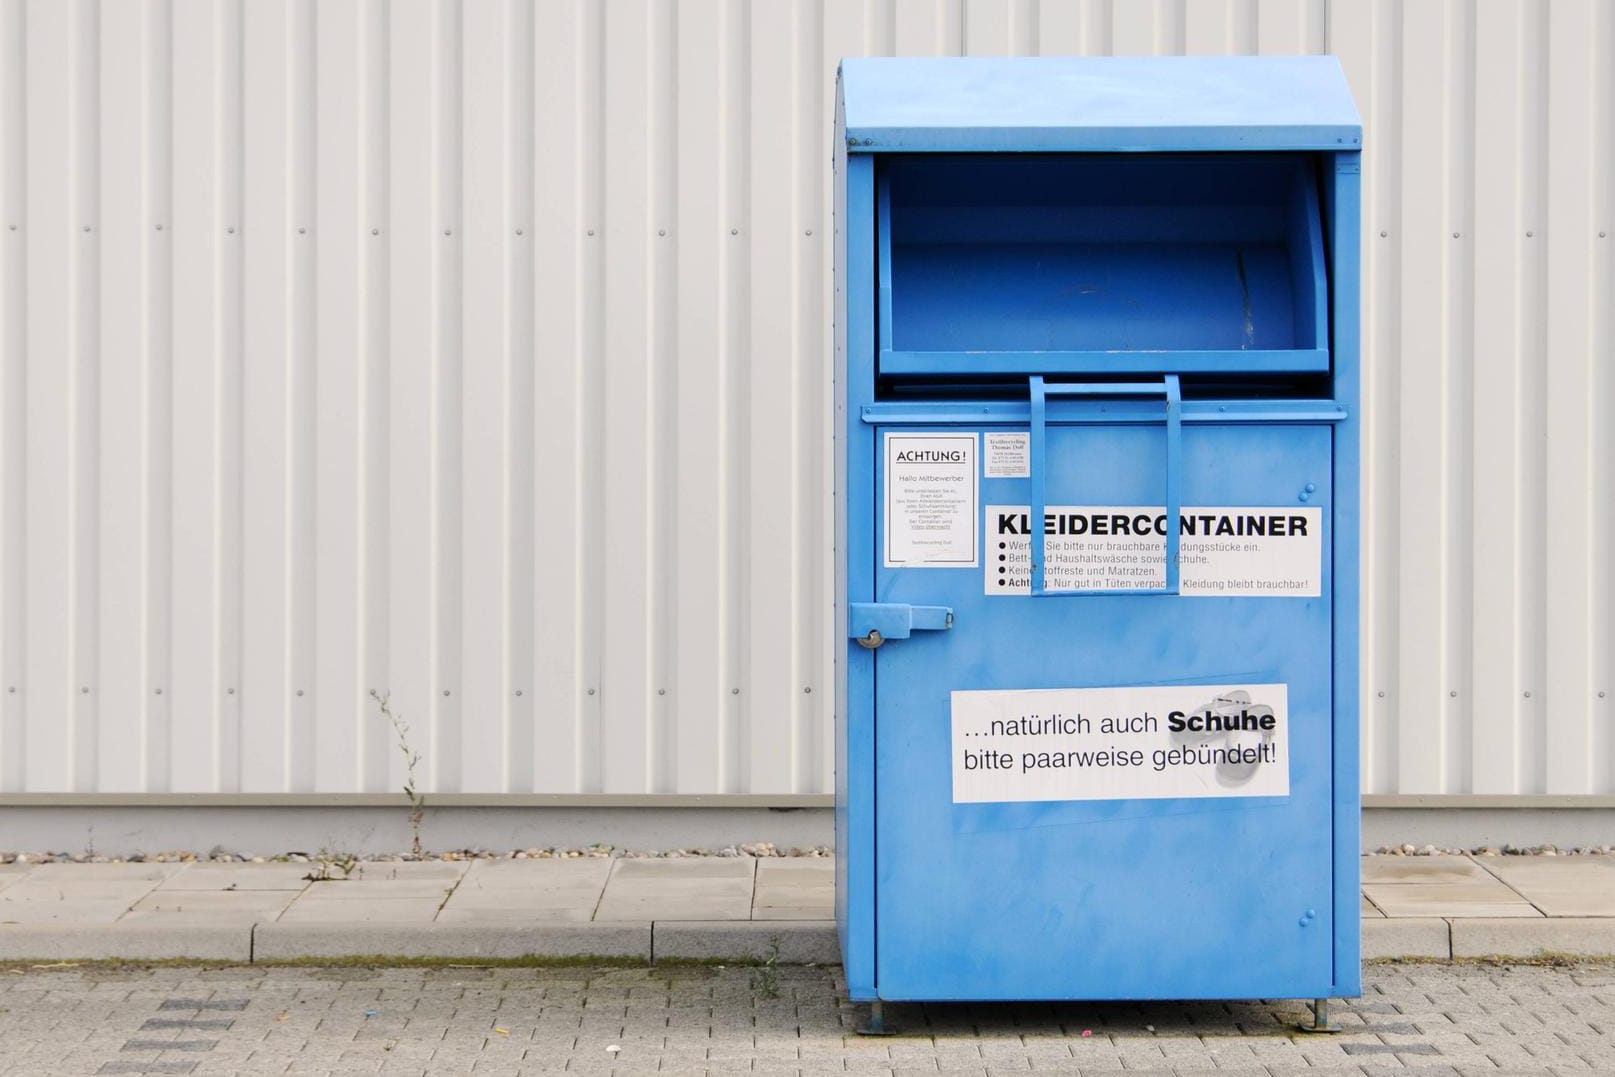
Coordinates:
(13, 391)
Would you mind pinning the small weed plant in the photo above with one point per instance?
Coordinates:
(331, 867)
(765, 976)
(417, 799)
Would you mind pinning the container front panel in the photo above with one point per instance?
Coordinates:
(1066, 873)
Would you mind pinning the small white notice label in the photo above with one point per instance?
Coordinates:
(1008, 456)
(931, 501)
(1247, 552)
(1131, 743)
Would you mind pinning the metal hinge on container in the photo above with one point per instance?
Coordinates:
(873, 623)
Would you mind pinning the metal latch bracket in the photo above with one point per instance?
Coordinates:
(873, 623)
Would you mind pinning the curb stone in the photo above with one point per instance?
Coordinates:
(123, 942)
(512, 941)
(799, 942)
(1516, 938)
(1424, 936)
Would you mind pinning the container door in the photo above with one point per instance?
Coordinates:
(1106, 794)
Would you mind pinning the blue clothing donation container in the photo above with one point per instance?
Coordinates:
(1097, 433)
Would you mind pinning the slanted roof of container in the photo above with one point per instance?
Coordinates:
(1105, 103)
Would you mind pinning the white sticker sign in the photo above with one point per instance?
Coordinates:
(931, 499)
(1267, 552)
(1008, 456)
(1131, 743)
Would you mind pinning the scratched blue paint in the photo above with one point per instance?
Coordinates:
(1000, 220)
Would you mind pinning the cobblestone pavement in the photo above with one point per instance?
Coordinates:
(1414, 1019)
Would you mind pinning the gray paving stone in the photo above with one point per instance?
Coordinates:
(151, 872)
(698, 907)
(1471, 897)
(180, 909)
(379, 910)
(214, 876)
(662, 869)
(1560, 886)
(581, 873)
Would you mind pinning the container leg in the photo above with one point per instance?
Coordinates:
(1320, 1018)
(877, 1021)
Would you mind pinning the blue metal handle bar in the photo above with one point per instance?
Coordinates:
(1168, 387)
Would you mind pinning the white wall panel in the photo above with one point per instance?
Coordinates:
(475, 352)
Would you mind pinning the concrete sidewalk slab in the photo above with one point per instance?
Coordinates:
(182, 908)
(1451, 899)
(295, 942)
(1421, 870)
(505, 914)
(716, 889)
(392, 871)
(352, 889)
(142, 872)
(581, 874)
(378, 909)
(718, 908)
(212, 876)
(1559, 886)
(1440, 886)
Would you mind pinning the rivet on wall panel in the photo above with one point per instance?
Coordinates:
(299, 691)
(807, 691)
(661, 691)
(734, 691)
(302, 231)
(1383, 234)
(86, 228)
(13, 690)
(229, 691)
(448, 231)
(1529, 235)
(591, 691)
(591, 231)
(1455, 235)
(518, 231)
(231, 230)
(14, 228)
(375, 231)
(1382, 694)
(734, 231)
(809, 232)
(518, 693)
(156, 691)
(85, 690)
(661, 231)
(445, 691)
(1452, 695)
(1528, 695)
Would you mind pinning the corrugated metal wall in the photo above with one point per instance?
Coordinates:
(476, 352)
